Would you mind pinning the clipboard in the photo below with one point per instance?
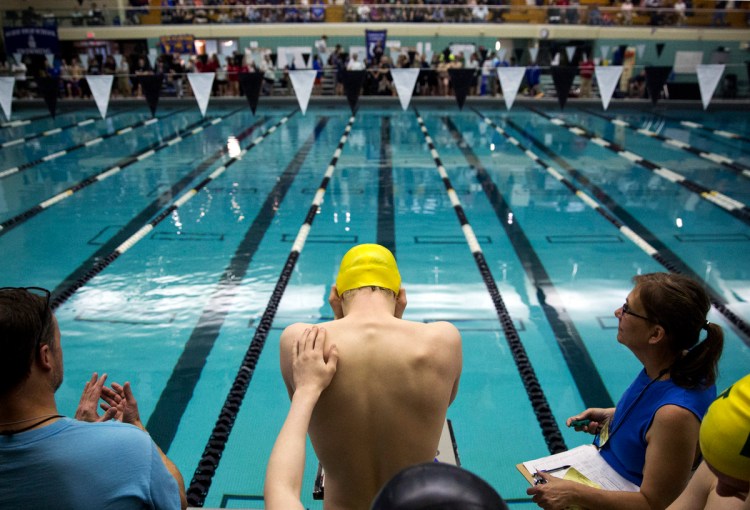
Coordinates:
(447, 453)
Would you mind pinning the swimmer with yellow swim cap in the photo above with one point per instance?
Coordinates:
(386, 405)
(722, 481)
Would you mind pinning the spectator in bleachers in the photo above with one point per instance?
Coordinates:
(586, 71)
(680, 8)
(626, 12)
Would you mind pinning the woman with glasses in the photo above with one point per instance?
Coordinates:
(651, 437)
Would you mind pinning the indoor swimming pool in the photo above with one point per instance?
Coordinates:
(179, 248)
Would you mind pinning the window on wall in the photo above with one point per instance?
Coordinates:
(216, 46)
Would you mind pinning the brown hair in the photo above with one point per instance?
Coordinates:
(680, 305)
(24, 317)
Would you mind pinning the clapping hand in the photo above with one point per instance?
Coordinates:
(87, 405)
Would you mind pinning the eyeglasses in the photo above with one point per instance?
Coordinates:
(44, 294)
(626, 310)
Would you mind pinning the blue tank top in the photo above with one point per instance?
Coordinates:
(626, 450)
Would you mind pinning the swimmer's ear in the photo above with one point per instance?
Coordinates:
(400, 303)
(335, 301)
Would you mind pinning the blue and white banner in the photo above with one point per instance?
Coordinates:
(31, 40)
(374, 38)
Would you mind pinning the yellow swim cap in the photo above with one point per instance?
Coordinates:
(725, 431)
(366, 265)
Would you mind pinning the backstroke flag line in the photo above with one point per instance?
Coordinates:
(101, 88)
(303, 82)
(510, 81)
(405, 79)
(6, 94)
(607, 78)
(709, 76)
(201, 83)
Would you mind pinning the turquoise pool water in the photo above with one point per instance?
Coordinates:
(174, 307)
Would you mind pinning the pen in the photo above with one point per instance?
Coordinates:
(538, 479)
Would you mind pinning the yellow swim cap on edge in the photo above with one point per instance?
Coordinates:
(368, 265)
(725, 431)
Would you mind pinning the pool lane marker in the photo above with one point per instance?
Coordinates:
(734, 207)
(718, 132)
(209, 463)
(582, 368)
(710, 156)
(53, 131)
(662, 255)
(94, 264)
(152, 149)
(93, 141)
(386, 233)
(545, 417)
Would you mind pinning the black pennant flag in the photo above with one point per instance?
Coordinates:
(747, 64)
(563, 77)
(659, 48)
(151, 86)
(656, 77)
(48, 89)
(462, 79)
(518, 52)
(251, 84)
(353, 81)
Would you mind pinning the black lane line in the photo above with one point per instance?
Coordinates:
(546, 420)
(664, 255)
(82, 273)
(713, 157)
(386, 225)
(88, 143)
(728, 204)
(53, 131)
(209, 463)
(147, 152)
(176, 395)
(585, 373)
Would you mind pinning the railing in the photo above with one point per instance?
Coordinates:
(585, 14)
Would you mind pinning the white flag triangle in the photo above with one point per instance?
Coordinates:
(405, 79)
(533, 52)
(605, 51)
(501, 54)
(118, 59)
(708, 78)
(607, 78)
(555, 60)
(50, 59)
(201, 84)
(83, 58)
(641, 48)
(303, 81)
(152, 60)
(510, 81)
(101, 87)
(6, 94)
(17, 57)
(570, 51)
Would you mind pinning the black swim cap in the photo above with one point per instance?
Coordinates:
(437, 486)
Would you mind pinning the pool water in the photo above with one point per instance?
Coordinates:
(167, 287)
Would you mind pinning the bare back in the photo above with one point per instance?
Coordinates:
(386, 405)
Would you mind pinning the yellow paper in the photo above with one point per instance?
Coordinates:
(575, 476)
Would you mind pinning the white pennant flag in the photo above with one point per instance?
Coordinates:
(118, 59)
(533, 52)
(201, 84)
(17, 57)
(708, 78)
(605, 51)
(501, 54)
(555, 60)
(101, 87)
(222, 59)
(50, 59)
(607, 78)
(641, 48)
(152, 60)
(6, 94)
(83, 58)
(405, 79)
(570, 51)
(510, 81)
(303, 81)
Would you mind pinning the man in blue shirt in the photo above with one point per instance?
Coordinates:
(50, 461)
